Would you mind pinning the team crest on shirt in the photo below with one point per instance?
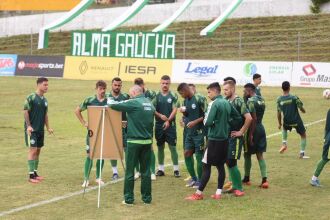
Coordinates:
(193, 106)
(32, 141)
(169, 100)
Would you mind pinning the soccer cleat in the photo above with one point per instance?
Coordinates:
(303, 156)
(216, 196)
(137, 175)
(196, 185)
(177, 173)
(246, 181)
(99, 181)
(115, 177)
(283, 148)
(160, 173)
(264, 185)
(127, 204)
(194, 197)
(315, 183)
(153, 177)
(85, 183)
(227, 186)
(238, 193)
(188, 178)
(39, 178)
(191, 183)
(33, 180)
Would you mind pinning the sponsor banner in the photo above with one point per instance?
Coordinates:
(205, 72)
(7, 64)
(44, 5)
(117, 44)
(48, 66)
(106, 68)
(311, 74)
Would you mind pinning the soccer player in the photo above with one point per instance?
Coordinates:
(216, 120)
(99, 99)
(140, 115)
(166, 104)
(36, 117)
(257, 81)
(325, 155)
(236, 140)
(256, 142)
(117, 95)
(150, 94)
(288, 105)
(193, 108)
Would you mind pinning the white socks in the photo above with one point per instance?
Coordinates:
(114, 170)
(314, 178)
(161, 167)
(175, 167)
(199, 192)
(218, 192)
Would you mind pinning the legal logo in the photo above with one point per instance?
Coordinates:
(201, 70)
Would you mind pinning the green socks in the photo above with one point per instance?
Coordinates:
(199, 156)
(98, 170)
(161, 154)
(88, 167)
(303, 144)
(153, 162)
(189, 161)
(284, 136)
(319, 167)
(263, 168)
(247, 164)
(174, 155)
(236, 178)
(31, 164)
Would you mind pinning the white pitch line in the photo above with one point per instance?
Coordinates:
(58, 198)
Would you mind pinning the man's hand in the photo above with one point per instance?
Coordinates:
(279, 126)
(29, 130)
(182, 109)
(50, 131)
(166, 125)
(236, 134)
(191, 124)
(85, 124)
(163, 117)
(124, 124)
(181, 122)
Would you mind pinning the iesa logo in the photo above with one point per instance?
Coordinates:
(309, 70)
(250, 69)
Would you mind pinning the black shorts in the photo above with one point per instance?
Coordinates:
(299, 126)
(35, 140)
(169, 135)
(216, 152)
(325, 153)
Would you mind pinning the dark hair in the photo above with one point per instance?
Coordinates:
(285, 86)
(256, 76)
(215, 86)
(41, 80)
(191, 84)
(138, 81)
(229, 78)
(101, 83)
(165, 77)
(182, 86)
(116, 79)
(250, 86)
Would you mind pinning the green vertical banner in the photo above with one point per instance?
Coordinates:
(123, 44)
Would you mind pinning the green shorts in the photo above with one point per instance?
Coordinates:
(235, 148)
(194, 141)
(35, 140)
(259, 141)
(169, 135)
(299, 126)
(325, 153)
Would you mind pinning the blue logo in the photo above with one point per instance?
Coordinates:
(201, 70)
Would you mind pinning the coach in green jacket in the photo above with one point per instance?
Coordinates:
(140, 119)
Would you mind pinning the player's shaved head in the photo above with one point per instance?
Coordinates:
(135, 91)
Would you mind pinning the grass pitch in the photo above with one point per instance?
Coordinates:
(290, 196)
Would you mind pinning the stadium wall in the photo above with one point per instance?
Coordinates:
(155, 14)
(302, 74)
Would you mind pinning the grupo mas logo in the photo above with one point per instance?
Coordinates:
(310, 75)
(250, 69)
(198, 70)
(309, 70)
(6, 63)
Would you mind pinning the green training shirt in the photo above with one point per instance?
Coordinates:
(217, 119)
(92, 101)
(258, 91)
(150, 94)
(195, 108)
(119, 98)
(257, 104)
(289, 106)
(165, 105)
(240, 106)
(140, 118)
(327, 124)
(37, 106)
